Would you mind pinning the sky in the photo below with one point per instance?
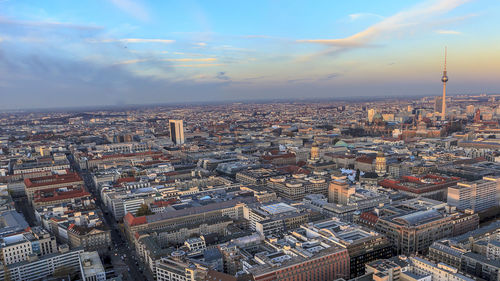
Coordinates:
(119, 52)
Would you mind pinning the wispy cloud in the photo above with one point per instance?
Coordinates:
(191, 59)
(256, 36)
(133, 8)
(402, 22)
(201, 44)
(47, 24)
(451, 32)
(132, 40)
(200, 65)
(222, 76)
(330, 76)
(358, 16)
(134, 61)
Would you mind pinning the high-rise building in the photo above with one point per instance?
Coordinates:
(176, 131)
(339, 192)
(478, 195)
(371, 115)
(444, 79)
(470, 110)
(438, 104)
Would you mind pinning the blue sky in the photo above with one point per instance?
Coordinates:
(74, 53)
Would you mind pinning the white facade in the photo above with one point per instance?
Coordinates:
(45, 266)
(91, 267)
(439, 272)
(16, 251)
(176, 131)
(478, 195)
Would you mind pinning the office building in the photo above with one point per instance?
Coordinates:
(299, 258)
(37, 268)
(339, 192)
(480, 266)
(439, 271)
(20, 247)
(176, 131)
(363, 245)
(479, 195)
(371, 115)
(438, 104)
(414, 231)
(91, 267)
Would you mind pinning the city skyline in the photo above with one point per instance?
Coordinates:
(121, 52)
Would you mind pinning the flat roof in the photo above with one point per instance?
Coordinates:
(278, 208)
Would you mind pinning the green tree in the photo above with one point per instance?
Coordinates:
(143, 211)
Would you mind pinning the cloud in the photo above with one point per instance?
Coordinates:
(256, 36)
(201, 44)
(222, 76)
(299, 80)
(134, 61)
(39, 79)
(199, 65)
(192, 59)
(450, 32)
(132, 8)
(400, 23)
(330, 76)
(358, 16)
(133, 40)
(47, 24)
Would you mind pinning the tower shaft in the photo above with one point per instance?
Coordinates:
(443, 108)
(444, 79)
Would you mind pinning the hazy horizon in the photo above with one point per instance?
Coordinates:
(57, 54)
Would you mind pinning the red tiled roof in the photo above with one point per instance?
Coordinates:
(365, 159)
(164, 203)
(41, 195)
(52, 179)
(369, 217)
(419, 186)
(127, 179)
(131, 220)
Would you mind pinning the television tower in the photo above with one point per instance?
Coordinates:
(444, 79)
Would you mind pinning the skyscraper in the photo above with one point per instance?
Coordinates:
(176, 131)
(444, 79)
(470, 109)
(371, 115)
(438, 104)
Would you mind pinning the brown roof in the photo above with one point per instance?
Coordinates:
(52, 179)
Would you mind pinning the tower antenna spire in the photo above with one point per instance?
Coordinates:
(445, 52)
(444, 79)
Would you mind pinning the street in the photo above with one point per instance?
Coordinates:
(123, 257)
(120, 248)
